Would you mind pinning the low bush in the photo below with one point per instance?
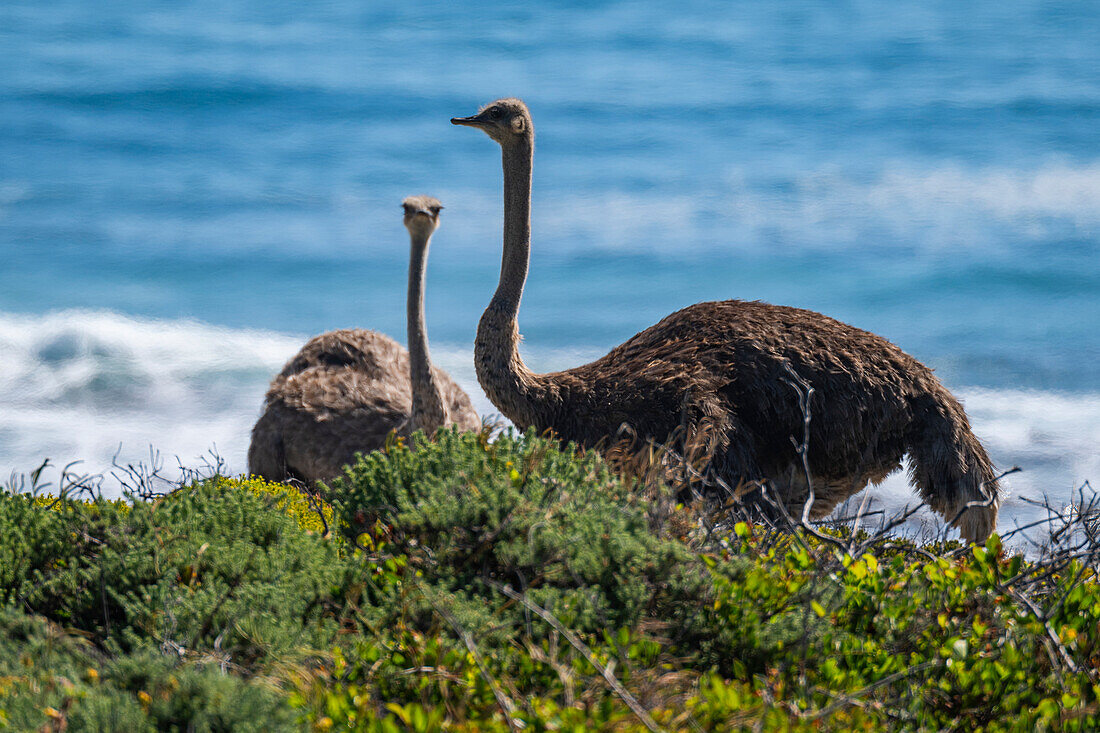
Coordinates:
(54, 680)
(465, 513)
(212, 567)
(477, 585)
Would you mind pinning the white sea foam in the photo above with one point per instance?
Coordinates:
(1053, 437)
(928, 208)
(93, 385)
(80, 385)
(952, 205)
(1068, 192)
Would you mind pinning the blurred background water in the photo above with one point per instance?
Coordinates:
(189, 190)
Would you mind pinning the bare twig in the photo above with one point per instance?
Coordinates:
(580, 646)
(507, 707)
(1052, 636)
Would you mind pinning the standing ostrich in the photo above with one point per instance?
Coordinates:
(346, 390)
(722, 368)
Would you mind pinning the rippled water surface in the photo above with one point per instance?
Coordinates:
(187, 191)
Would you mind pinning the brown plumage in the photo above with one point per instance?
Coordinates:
(722, 368)
(346, 390)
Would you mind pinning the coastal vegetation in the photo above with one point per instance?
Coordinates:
(507, 584)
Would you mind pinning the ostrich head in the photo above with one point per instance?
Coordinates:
(421, 215)
(506, 120)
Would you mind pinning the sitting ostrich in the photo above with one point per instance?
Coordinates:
(724, 369)
(346, 390)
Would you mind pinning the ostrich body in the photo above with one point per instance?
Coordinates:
(346, 390)
(723, 367)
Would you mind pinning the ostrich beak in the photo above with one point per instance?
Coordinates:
(471, 121)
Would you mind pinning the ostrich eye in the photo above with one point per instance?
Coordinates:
(405, 207)
(436, 210)
(495, 113)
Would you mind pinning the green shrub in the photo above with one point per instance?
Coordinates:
(33, 541)
(227, 606)
(51, 680)
(311, 515)
(464, 513)
(210, 567)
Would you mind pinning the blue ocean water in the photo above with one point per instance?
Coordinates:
(187, 191)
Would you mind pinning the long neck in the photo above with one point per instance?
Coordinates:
(513, 388)
(517, 162)
(428, 410)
